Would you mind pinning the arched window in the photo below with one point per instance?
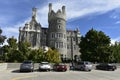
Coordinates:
(59, 27)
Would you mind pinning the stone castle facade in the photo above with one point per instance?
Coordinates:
(55, 36)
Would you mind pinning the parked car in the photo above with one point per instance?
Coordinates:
(106, 66)
(27, 65)
(44, 66)
(59, 67)
(83, 65)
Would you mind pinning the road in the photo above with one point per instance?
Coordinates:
(69, 75)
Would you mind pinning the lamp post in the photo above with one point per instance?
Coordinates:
(71, 47)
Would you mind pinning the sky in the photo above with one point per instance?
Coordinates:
(101, 15)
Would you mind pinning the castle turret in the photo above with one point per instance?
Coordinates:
(34, 12)
(50, 7)
(63, 9)
(57, 30)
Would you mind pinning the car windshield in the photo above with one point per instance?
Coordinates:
(44, 63)
(27, 62)
(59, 64)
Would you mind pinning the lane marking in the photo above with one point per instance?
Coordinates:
(24, 77)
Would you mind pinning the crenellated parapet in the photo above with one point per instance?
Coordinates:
(61, 13)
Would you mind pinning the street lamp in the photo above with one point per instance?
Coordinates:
(71, 47)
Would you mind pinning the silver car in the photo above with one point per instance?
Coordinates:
(27, 65)
(44, 66)
(83, 65)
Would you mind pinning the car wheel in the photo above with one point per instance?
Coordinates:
(63, 70)
(87, 69)
(82, 69)
(113, 69)
(20, 71)
(48, 70)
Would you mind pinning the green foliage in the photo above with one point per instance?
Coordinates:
(24, 48)
(15, 56)
(12, 43)
(10, 50)
(94, 47)
(36, 55)
(115, 52)
(12, 53)
(2, 38)
(39, 55)
(52, 56)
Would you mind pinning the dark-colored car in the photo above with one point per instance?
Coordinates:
(60, 67)
(83, 66)
(27, 65)
(106, 66)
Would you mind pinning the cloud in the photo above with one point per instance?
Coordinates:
(10, 31)
(78, 8)
(114, 40)
(118, 22)
(74, 9)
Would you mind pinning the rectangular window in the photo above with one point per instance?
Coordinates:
(73, 38)
(74, 47)
(64, 36)
(53, 35)
(68, 38)
(56, 45)
(59, 35)
(61, 44)
(68, 46)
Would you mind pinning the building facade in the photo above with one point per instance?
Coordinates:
(55, 36)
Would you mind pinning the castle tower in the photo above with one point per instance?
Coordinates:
(31, 32)
(57, 30)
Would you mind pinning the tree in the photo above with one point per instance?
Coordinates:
(94, 47)
(36, 55)
(24, 48)
(115, 52)
(15, 56)
(2, 38)
(12, 42)
(39, 55)
(11, 50)
(52, 56)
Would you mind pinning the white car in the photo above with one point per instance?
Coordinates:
(83, 65)
(44, 66)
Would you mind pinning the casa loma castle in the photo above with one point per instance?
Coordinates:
(55, 36)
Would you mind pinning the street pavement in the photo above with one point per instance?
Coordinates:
(68, 75)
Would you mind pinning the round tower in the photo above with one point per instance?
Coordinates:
(57, 30)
